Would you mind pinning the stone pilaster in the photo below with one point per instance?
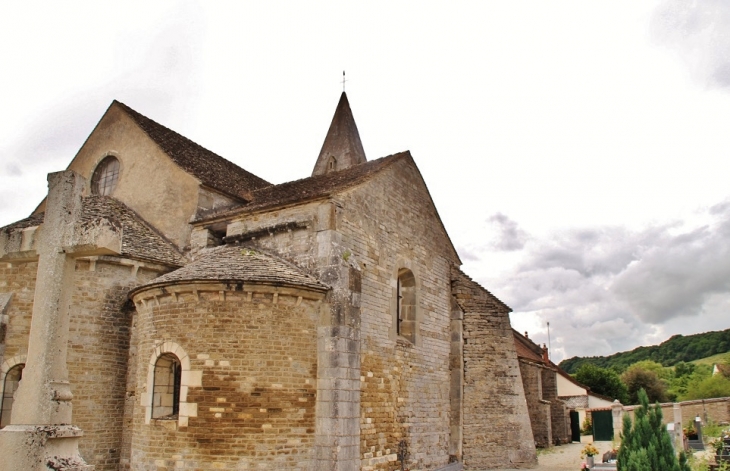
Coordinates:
(39, 436)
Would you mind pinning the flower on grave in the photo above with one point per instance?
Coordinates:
(588, 450)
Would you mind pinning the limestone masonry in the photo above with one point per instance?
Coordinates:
(194, 316)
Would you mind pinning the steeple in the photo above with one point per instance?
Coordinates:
(342, 147)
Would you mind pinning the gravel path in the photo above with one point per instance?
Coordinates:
(565, 457)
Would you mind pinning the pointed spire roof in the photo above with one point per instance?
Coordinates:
(342, 147)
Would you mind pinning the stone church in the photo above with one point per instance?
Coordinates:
(165, 309)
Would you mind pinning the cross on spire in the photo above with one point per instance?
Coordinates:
(343, 80)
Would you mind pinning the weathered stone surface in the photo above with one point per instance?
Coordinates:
(288, 337)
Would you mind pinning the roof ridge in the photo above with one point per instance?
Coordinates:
(216, 171)
(340, 180)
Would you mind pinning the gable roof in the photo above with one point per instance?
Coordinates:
(233, 263)
(211, 169)
(310, 188)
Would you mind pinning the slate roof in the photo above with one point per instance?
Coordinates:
(139, 240)
(235, 263)
(211, 169)
(311, 188)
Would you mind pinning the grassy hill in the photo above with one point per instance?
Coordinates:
(711, 360)
(679, 348)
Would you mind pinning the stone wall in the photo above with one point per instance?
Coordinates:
(355, 243)
(559, 413)
(716, 410)
(98, 350)
(497, 432)
(405, 395)
(18, 279)
(248, 393)
(539, 409)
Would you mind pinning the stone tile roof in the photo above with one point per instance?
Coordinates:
(235, 263)
(30, 221)
(342, 141)
(311, 188)
(473, 297)
(211, 169)
(139, 239)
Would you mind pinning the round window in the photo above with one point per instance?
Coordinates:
(105, 176)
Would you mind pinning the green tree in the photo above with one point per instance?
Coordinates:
(637, 378)
(602, 381)
(646, 444)
(707, 388)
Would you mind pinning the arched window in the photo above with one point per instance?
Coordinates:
(105, 176)
(332, 164)
(10, 385)
(406, 305)
(166, 390)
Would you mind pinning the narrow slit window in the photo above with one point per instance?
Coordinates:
(406, 305)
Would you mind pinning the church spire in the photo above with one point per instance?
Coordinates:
(342, 147)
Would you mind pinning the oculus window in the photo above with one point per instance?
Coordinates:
(105, 176)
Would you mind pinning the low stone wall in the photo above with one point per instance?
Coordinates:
(715, 410)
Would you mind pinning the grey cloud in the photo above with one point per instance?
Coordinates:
(13, 170)
(698, 31)
(467, 254)
(509, 236)
(612, 288)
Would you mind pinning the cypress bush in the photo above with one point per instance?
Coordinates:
(646, 444)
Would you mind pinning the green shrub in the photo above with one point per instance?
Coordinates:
(646, 444)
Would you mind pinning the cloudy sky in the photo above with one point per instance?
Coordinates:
(576, 151)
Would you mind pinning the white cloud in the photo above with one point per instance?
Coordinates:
(610, 289)
(699, 31)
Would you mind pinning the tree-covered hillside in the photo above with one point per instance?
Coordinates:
(679, 348)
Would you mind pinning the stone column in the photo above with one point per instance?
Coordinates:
(617, 414)
(40, 436)
(337, 440)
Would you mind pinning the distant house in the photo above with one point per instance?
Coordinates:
(722, 369)
(581, 402)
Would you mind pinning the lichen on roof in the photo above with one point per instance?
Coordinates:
(139, 240)
(234, 263)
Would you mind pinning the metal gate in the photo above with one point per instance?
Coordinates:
(602, 425)
(574, 426)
